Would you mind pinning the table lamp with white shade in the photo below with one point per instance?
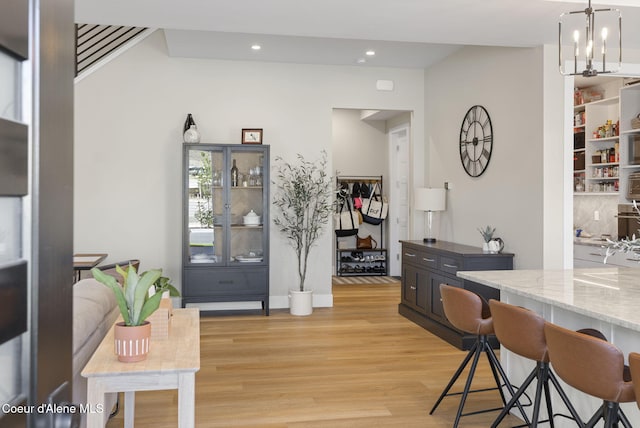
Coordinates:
(429, 200)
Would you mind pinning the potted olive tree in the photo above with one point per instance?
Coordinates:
(135, 306)
(303, 201)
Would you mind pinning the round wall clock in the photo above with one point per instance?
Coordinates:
(476, 141)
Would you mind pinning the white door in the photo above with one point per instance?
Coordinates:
(398, 219)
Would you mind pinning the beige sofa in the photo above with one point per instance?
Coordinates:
(94, 312)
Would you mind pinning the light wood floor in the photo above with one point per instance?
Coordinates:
(358, 364)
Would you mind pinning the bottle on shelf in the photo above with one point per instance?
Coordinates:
(234, 174)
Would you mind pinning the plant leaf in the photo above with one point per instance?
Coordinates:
(141, 289)
(111, 282)
(149, 307)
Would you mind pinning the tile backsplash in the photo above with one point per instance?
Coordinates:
(584, 207)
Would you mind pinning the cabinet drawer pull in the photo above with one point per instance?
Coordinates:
(228, 281)
(450, 266)
(595, 254)
(413, 287)
(428, 260)
(409, 255)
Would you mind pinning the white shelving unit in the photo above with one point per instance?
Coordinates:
(601, 177)
(629, 108)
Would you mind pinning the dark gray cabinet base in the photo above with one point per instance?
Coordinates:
(426, 266)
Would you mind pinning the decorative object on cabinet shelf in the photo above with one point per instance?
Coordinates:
(303, 201)
(252, 136)
(430, 200)
(188, 123)
(609, 20)
(635, 122)
(135, 306)
(251, 219)
(190, 133)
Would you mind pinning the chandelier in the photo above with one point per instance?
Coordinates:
(589, 33)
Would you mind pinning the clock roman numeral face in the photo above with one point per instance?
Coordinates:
(476, 141)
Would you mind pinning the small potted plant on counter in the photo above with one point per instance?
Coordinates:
(487, 235)
(135, 306)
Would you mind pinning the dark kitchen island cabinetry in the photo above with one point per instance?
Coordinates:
(426, 266)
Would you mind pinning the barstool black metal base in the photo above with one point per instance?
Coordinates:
(482, 345)
(612, 415)
(542, 372)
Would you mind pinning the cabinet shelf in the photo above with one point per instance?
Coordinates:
(603, 164)
(595, 193)
(604, 140)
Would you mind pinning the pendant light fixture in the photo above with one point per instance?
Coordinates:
(594, 42)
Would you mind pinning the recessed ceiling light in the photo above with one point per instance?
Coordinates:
(361, 60)
(256, 47)
(370, 53)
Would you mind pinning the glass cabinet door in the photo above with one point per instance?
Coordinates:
(206, 208)
(246, 206)
(226, 203)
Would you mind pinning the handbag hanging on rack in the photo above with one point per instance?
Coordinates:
(367, 243)
(346, 221)
(374, 209)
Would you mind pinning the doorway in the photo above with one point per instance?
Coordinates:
(377, 143)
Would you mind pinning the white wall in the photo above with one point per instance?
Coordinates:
(509, 195)
(359, 146)
(129, 117)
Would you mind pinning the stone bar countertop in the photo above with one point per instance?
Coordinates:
(593, 242)
(609, 294)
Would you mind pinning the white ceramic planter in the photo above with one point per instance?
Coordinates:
(301, 302)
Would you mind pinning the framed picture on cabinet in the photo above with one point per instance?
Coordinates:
(252, 136)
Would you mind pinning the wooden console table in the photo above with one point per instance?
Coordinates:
(171, 364)
(426, 266)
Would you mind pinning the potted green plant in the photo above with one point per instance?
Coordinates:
(164, 286)
(303, 202)
(133, 333)
(487, 235)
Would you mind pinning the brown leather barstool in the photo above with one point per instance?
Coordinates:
(634, 367)
(521, 331)
(468, 312)
(593, 366)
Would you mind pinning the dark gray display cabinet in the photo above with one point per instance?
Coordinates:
(426, 266)
(225, 249)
